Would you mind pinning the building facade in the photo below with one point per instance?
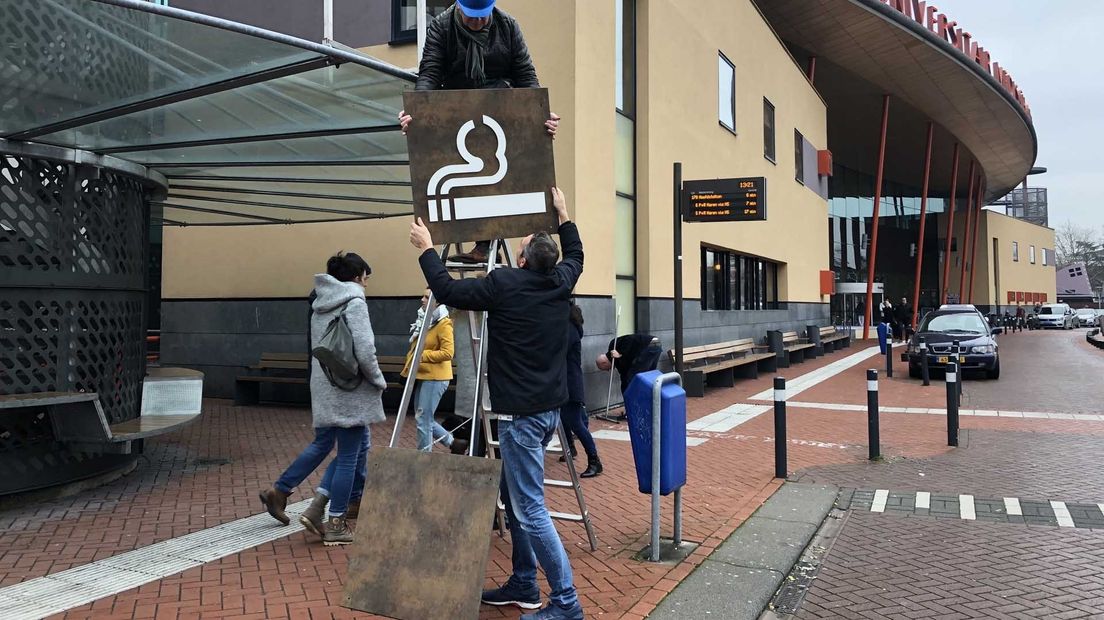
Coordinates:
(834, 103)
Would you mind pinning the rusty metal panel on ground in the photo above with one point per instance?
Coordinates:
(481, 163)
(422, 537)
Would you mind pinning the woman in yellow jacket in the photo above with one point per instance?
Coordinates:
(434, 374)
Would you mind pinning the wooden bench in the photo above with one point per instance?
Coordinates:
(827, 339)
(789, 348)
(291, 369)
(273, 368)
(171, 399)
(720, 363)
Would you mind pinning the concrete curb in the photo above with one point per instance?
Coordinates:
(740, 577)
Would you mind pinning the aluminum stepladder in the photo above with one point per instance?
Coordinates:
(482, 414)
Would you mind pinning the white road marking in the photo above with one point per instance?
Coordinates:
(880, 497)
(727, 419)
(923, 499)
(1062, 514)
(966, 507)
(820, 375)
(57, 592)
(961, 412)
(1012, 506)
(624, 436)
(1101, 507)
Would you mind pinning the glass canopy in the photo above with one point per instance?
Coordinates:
(248, 126)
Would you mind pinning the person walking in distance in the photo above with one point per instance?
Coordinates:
(527, 320)
(339, 416)
(573, 415)
(434, 374)
(471, 45)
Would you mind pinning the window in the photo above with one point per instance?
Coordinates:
(1016, 251)
(1046, 257)
(726, 92)
(799, 157)
(1032, 255)
(625, 56)
(768, 130)
(733, 281)
(404, 18)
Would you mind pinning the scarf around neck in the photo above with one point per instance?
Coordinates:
(438, 313)
(476, 44)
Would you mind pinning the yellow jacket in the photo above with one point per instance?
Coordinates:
(436, 362)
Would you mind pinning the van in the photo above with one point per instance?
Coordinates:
(1057, 316)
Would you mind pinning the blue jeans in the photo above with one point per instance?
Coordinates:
(345, 475)
(522, 443)
(427, 395)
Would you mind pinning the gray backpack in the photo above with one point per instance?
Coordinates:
(335, 354)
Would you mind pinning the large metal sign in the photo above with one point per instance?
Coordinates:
(725, 200)
(481, 163)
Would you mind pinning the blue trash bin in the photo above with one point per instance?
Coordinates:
(672, 428)
(883, 334)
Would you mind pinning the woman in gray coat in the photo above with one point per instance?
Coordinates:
(339, 416)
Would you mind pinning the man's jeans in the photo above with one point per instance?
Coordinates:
(534, 537)
(427, 395)
(344, 478)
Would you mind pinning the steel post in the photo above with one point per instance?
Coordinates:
(924, 370)
(872, 253)
(889, 358)
(950, 228)
(676, 229)
(923, 221)
(657, 412)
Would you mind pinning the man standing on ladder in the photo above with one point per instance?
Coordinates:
(474, 45)
(527, 317)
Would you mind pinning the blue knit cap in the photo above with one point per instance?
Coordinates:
(476, 8)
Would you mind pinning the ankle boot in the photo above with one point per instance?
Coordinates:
(354, 509)
(594, 466)
(314, 515)
(337, 532)
(275, 501)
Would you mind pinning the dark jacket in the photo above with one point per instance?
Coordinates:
(637, 356)
(903, 314)
(526, 321)
(575, 392)
(506, 61)
(887, 315)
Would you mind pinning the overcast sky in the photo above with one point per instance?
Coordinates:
(1053, 49)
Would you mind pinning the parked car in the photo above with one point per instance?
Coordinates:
(1057, 316)
(977, 347)
(1086, 317)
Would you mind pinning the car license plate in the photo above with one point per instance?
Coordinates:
(943, 359)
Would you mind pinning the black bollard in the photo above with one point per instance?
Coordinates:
(889, 358)
(924, 371)
(875, 439)
(780, 470)
(956, 350)
(952, 404)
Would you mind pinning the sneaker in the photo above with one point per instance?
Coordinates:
(554, 612)
(513, 594)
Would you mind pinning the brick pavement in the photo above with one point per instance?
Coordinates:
(888, 566)
(182, 487)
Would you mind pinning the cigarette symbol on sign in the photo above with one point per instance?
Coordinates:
(444, 208)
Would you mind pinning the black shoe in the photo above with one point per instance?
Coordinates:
(594, 466)
(512, 594)
(459, 446)
(574, 453)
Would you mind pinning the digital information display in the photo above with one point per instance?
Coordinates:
(725, 200)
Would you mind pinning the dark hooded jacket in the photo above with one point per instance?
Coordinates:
(506, 62)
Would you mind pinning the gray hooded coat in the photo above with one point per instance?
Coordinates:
(332, 406)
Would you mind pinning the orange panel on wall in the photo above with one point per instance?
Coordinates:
(827, 282)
